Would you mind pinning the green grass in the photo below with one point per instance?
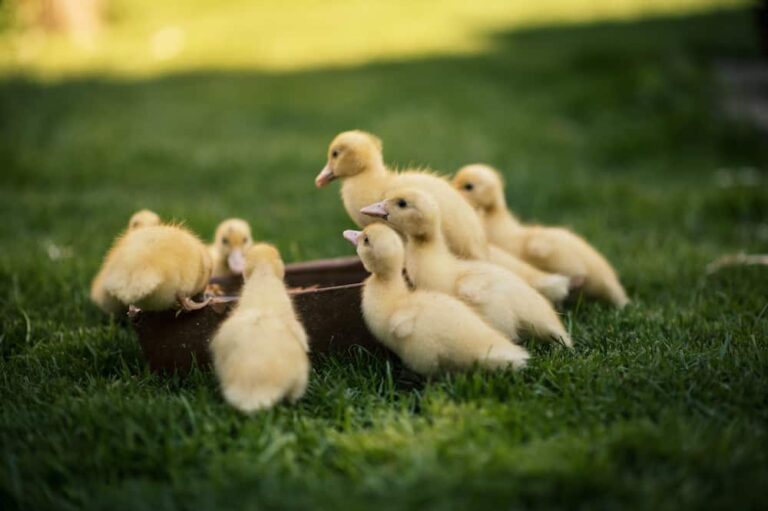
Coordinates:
(613, 129)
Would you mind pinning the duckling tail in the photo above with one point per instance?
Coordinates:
(506, 356)
(130, 287)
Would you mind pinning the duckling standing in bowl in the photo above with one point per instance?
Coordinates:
(429, 331)
(260, 351)
(232, 239)
(356, 158)
(553, 249)
(502, 298)
(99, 296)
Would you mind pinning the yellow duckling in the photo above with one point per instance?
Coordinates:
(498, 295)
(232, 239)
(99, 295)
(157, 267)
(356, 158)
(429, 331)
(553, 249)
(260, 351)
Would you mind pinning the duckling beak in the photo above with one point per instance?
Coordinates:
(236, 261)
(324, 177)
(352, 236)
(378, 210)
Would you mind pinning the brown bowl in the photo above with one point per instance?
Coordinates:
(325, 292)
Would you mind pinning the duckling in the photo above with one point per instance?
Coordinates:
(99, 295)
(356, 158)
(260, 351)
(429, 331)
(552, 249)
(553, 286)
(502, 298)
(156, 267)
(232, 239)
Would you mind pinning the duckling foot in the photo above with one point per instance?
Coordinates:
(188, 304)
(133, 311)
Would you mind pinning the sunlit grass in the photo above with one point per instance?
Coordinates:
(145, 37)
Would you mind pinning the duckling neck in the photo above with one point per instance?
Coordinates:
(428, 259)
(498, 214)
(364, 189)
(393, 282)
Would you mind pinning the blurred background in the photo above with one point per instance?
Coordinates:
(143, 37)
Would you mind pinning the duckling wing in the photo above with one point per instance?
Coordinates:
(298, 331)
(473, 288)
(403, 322)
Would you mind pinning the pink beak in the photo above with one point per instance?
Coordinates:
(236, 261)
(378, 210)
(352, 236)
(324, 177)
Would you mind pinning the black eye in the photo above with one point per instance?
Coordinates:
(468, 187)
(401, 203)
(366, 241)
(335, 153)
(225, 241)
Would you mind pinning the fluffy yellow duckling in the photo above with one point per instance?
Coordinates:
(232, 239)
(553, 286)
(99, 295)
(157, 267)
(429, 331)
(260, 351)
(552, 249)
(356, 158)
(501, 297)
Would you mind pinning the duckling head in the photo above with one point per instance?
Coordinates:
(481, 185)
(264, 258)
(232, 238)
(410, 211)
(351, 153)
(380, 248)
(143, 218)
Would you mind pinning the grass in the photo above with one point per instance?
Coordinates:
(612, 128)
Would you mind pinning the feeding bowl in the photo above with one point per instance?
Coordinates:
(326, 294)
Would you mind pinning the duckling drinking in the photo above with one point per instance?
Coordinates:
(232, 239)
(156, 268)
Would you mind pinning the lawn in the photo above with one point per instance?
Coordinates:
(613, 128)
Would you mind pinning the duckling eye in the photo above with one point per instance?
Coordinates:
(469, 187)
(401, 203)
(366, 240)
(335, 153)
(225, 241)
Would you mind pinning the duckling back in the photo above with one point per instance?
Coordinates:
(154, 266)
(433, 332)
(260, 351)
